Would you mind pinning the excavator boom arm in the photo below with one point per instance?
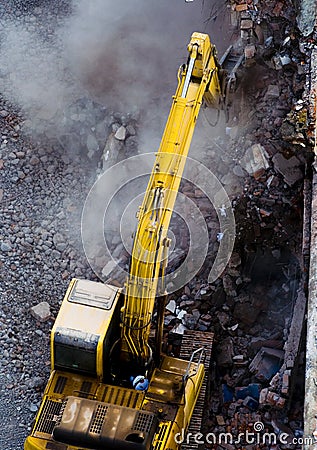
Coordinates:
(197, 79)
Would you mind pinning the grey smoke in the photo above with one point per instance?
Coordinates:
(128, 52)
(125, 55)
(32, 72)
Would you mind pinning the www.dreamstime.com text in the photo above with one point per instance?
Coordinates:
(256, 437)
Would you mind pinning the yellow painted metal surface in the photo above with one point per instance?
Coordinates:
(166, 387)
(151, 244)
(80, 311)
(78, 315)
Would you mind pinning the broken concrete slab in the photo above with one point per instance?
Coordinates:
(171, 306)
(273, 91)
(108, 268)
(288, 168)
(246, 23)
(255, 160)
(266, 363)
(121, 133)
(292, 344)
(111, 151)
(41, 311)
(239, 359)
(178, 329)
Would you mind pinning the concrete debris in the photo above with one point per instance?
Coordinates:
(224, 318)
(191, 320)
(238, 358)
(5, 247)
(232, 132)
(121, 133)
(178, 329)
(288, 168)
(41, 312)
(255, 160)
(171, 306)
(246, 21)
(92, 145)
(306, 19)
(249, 51)
(273, 91)
(108, 268)
(181, 314)
(238, 171)
(266, 363)
(245, 314)
(112, 151)
(294, 127)
(34, 161)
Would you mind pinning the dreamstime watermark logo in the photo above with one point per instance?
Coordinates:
(258, 436)
(114, 199)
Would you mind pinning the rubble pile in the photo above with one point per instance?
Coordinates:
(255, 307)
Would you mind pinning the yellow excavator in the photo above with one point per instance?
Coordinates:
(108, 388)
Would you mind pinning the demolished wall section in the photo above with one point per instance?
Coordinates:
(310, 408)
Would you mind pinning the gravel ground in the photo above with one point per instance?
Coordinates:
(40, 212)
(41, 195)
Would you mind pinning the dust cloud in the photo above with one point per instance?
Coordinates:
(129, 53)
(124, 55)
(32, 72)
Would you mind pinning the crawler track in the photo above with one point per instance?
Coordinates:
(192, 340)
